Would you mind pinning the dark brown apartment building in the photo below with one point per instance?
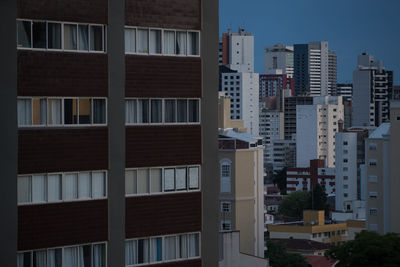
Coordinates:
(109, 135)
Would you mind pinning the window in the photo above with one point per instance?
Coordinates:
(373, 195)
(373, 211)
(39, 34)
(43, 188)
(226, 206)
(143, 181)
(225, 177)
(165, 111)
(93, 255)
(155, 180)
(24, 30)
(345, 143)
(345, 160)
(226, 225)
(96, 38)
(142, 41)
(372, 163)
(372, 146)
(130, 40)
(373, 178)
(345, 177)
(61, 111)
(345, 169)
(155, 41)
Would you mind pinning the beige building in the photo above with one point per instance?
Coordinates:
(240, 159)
(383, 175)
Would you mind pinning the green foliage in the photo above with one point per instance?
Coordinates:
(319, 198)
(368, 249)
(279, 179)
(294, 204)
(278, 257)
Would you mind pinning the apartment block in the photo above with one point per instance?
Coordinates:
(316, 127)
(104, 98)
(278, 59)
(274, 84)
(290, 110)
(345, 90)
(282, 154)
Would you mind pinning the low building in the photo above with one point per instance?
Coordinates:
(303, 246)
(306, 178)
(320, 261)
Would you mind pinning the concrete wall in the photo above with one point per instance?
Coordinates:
(361, 98)
(394, 167)
(306, 135)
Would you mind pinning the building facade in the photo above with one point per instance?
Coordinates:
(274, 84)
(103, 136)
(372, 91)
(332, 73)
(279, 59)
(290, 104)
(345, 90)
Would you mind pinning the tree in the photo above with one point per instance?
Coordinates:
(318, 198)
(278, 257)
(294, 204)
(368, 249)
(279, 179)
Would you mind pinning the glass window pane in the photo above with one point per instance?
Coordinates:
(54, 187)
(156, 249)
(83, 37)
(193, 43)
(130, 182)
(96, 38)
(131, 111)
(84, 111)
(181, 43)
(85, 256)
(98, 184)
(194, 245)
(181, 178)
(24, 259)
(143, 110)
(24, 189)
(143, 41)
(71, 111)
(40, 258)
(182, 110)
(71, 257)
(54, 111)
(130, 252)
(169, 179)
(24, 112)
(39, 34)
(70, 36)
(53, 35)
(130, 40)
(156, 111)
(182, 247)
(156, 183)
(71, 186)
(24, 34)
(194, 110)
(155, 41)
(39, 188)
(143, 181)
(84, 186)
(170, 247)
(99, 255)
(39, 111)
(54, 257)
(193, 177)
(169, 42)
(170, 110)
(99, 111)
(143, 250)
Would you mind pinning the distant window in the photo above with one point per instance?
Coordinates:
(372, 146)
(226, 225)
(225, 169)
(226, 206)
(373, 212)
(373, 178)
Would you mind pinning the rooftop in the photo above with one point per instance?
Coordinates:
(301, 244)
(383, 129)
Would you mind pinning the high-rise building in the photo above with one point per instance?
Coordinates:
(116, 157)
(314, 69)
(278, 59)
(382, 153)
(274, 84)
(242, 88)
(238, 50)
(282, 154)
(372, 91)
(396, 93)
(345, 90)
(290, 104)
(316, 126)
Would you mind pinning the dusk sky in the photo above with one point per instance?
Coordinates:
(350, 26)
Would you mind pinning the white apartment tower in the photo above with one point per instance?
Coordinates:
(278, 59)
(372, 90)
(316, 126)
(238, 50)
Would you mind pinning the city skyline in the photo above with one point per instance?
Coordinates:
(349, 37)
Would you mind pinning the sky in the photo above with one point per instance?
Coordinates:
(350, 26)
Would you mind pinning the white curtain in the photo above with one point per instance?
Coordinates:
(54, 187)
(71, 184)
(143, 41)
(169, 42)
(193, 177)
(143, 181)
(181, 178)
(84, 186)
(155, 180)
(24, 189)
(194, 245)
(130, 40)
(98, 184)
(143, 250)
(131, 111)
(98, 255)
(24, 112)
(169, 179)
(71, 257)
(83, 39)
(181, 43)
(54, 109)
(182, 247)
(155, 41)
(130, 252)
(170, 247)
(193, 43)
(70, 36)
(39, 258)
(130, 182)
(155, 249)
(54, 258)
(38, 188)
